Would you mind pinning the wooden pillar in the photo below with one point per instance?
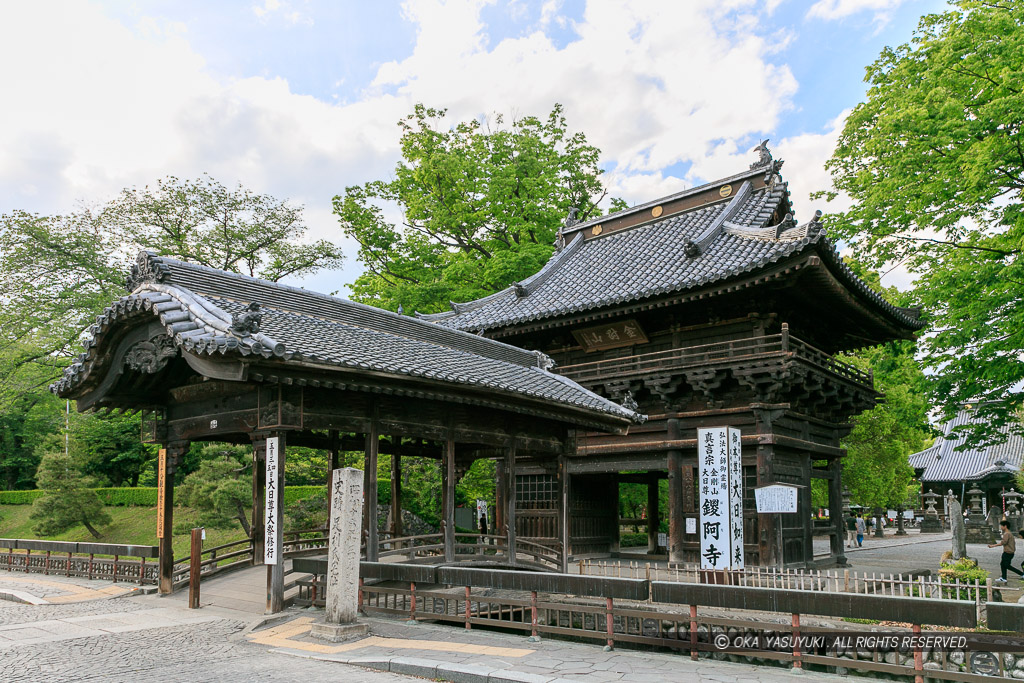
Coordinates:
(808, 525)
(259, 480)
(510, 500)
(676, 506)
(170, 457)
(333, 454)
(613, 497)
(564, 513)
(370, 494)
(275, 571)
(396, 495)
(498, 523)
(835, 510)
(448, 497)
(770, 547)
(653, 521)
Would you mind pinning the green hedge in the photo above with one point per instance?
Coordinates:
(145, 496)
(19, 497)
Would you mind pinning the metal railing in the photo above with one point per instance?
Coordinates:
(709, 354)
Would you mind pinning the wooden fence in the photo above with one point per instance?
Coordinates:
(675, 615)
(115, 562)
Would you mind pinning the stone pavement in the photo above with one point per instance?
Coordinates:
(474, 656)
(129, 639)
(43, 589)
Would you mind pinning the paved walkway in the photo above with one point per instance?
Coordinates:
(473, 656)
(43, 589)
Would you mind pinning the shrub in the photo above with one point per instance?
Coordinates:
(632, 540)
(966, 571)
(19, 497)
(144, 496)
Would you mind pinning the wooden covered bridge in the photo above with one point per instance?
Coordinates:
(215, 356)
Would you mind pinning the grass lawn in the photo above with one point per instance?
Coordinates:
(131, 525)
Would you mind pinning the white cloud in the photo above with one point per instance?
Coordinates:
(831, 10)
(100, 105)
(275, 8)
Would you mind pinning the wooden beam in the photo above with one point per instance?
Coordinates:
(676, 523)
(448, 498)
(510, 500)
(372, 446)
(170, 456)
(564, 513)
(396, 495)
(259, 480)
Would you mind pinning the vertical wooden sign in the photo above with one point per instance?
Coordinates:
(713, 469)
(736, 498)
(270, 550)
(161, 490)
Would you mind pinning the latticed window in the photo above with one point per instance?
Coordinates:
(536, 491)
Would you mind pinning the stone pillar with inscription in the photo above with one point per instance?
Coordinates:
(343, 558)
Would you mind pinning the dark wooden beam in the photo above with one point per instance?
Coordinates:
(372, 445)
(676, 521)
(259, 480)
(448, 498)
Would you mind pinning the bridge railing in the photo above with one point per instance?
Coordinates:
(111, 561)
(688, 618)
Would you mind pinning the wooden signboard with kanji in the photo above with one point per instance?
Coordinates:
(610, 336)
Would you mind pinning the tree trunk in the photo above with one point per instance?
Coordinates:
(243, 519)
(95, 534)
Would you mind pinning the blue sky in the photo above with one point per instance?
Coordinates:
(299, 99)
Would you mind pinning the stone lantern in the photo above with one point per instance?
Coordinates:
(1013, 512)
(978, 530)
(931, 523)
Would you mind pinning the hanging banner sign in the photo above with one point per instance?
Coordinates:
(713, 471)
(161, 490)
(271, 551)
(776, 499)
(736, 498)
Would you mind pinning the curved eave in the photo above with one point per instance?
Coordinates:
(611, 417)
(194, 328)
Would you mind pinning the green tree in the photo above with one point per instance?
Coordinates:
(480, 208)
(221, 489)
(934, 162)
(58, 272)
(875, 468)
(69, 498)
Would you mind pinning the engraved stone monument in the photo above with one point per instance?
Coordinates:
(956, 522)
(343, 558)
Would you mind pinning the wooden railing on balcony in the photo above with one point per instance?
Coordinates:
(711, 354)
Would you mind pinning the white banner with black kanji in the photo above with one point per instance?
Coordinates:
(713, 474)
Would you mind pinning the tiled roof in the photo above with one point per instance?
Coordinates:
(942, 462)
(197, 306)
(672, 254)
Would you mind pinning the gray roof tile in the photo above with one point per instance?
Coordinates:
(650, 260)
(196, 305)
(942, 462)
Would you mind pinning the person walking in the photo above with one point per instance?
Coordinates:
(851, 530)
(1009, 545)
(861, 529)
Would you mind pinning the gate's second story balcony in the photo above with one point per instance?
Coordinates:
(777, 367)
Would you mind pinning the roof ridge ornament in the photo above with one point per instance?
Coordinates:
(248, 321)
(570, 221)
(764, 155)
(544, 361)
(147, 268)
(771, 165)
